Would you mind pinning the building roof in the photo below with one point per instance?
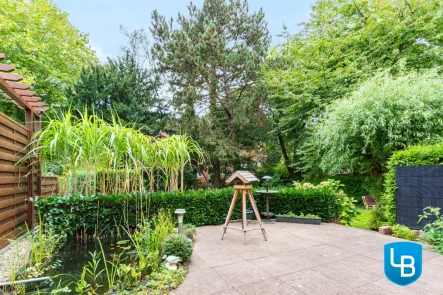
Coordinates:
(18, 93)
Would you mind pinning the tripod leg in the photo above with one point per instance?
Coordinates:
(244, 220)
(257, 214)
(231, 210)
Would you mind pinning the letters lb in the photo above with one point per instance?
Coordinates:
(403, 262)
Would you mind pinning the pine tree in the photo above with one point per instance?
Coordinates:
(123, 85)
(212, 61)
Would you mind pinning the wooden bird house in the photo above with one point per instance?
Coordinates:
(243, 184)
(245, 177)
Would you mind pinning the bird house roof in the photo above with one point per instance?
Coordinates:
(243, 176)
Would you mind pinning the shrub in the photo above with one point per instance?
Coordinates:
(105, 213)
(346, 205)
(177, 245)
(356, 186)
(385, 114)
(378, 217)
(163, 281)
(433, 231)
(403, 232)
(362, 220)
(412, 156)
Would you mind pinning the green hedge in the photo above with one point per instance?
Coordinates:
(412, 156)
(356, 186)
(203, 207)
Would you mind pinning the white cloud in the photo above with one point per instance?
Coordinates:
(102, 56)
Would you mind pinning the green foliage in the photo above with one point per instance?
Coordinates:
(189, 230)
(91, 272)
(46, 48)
(362, 219)
(160, 283)
(433, 231)
(203, 207)
(342, 45)
(386, 114)
(89, 144)
(347, 209)
(403, 232)
(356, 186)
(412, 156)
(147, 240)
(292, 214)
(378, 216)
(178, 245)
(346, 205)
(122, 86)
(45, 242)
(212, 58)
(137, 261)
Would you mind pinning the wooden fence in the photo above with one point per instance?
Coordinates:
(50, 186)
(15, 181)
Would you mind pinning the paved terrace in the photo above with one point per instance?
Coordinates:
(299, 259)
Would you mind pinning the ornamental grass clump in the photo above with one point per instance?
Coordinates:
(110, 157)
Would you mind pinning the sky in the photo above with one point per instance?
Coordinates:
(102, 19)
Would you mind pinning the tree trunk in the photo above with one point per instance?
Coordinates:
(291, 170)
(228, 110)
(216, 174)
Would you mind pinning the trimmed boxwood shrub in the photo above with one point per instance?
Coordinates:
(203, 207)
(412, 156)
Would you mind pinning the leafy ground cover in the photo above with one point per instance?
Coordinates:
(362, 219)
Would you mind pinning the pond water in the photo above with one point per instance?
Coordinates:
(74, 255)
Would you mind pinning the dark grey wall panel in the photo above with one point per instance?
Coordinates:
(417, 187)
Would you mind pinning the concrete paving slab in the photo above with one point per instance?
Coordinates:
(202, 282)
(241, 273)
(311, 282)
(300, 259)
(269, 286)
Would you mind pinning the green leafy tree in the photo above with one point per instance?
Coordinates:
(212, 60)
(342, 45)
(46, 48)
(359, 133)
(124, 86)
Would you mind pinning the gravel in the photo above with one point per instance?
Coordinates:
(13, 257)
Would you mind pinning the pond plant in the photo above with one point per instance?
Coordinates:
(135, 266)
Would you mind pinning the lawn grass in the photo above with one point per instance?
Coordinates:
(362, 220)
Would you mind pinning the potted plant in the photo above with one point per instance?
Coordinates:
(300, 218)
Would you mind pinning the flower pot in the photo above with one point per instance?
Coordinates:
(334, 220)
(249, 214)
(305, 220)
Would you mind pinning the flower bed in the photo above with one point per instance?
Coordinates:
(292, 218)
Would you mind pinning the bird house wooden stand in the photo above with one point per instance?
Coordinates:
(245, 189)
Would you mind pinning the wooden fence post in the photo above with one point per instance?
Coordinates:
(30, 208)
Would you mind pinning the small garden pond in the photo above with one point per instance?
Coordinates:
(68, 264)
(75, 254)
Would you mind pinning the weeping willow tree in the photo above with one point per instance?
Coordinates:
(94, 156)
